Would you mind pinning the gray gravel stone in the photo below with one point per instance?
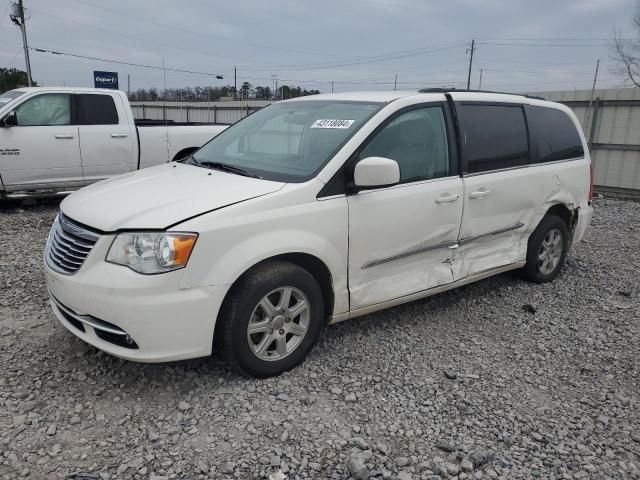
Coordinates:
(551, 393)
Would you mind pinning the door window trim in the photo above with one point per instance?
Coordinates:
(337, 186)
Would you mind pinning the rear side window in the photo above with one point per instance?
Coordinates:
(493, 136)
(96, 110)
(553, 135)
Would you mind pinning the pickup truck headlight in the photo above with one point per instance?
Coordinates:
(152, 252)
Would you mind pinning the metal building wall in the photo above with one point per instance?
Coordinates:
(197, 112)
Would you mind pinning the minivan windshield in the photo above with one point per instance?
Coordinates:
(286, 142)
(6, 97)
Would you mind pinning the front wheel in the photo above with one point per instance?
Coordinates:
(547, 250)
(272, 319)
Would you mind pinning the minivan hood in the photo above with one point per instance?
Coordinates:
(159, 197)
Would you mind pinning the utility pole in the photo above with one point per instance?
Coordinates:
(128, 85)
(17, 17)
(395, 83)
(593, 88)
(471, 50)
(480, 83)
(235, 82)
(331, 87)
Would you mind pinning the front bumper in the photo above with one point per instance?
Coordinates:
(164, 322)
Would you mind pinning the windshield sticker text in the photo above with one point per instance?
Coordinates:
(327, 123)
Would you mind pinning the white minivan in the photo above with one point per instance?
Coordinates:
(313, 211)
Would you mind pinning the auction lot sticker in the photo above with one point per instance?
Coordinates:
(328, 123)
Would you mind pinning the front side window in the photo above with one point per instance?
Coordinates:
(492, 137)
(417, 140)
(94, 109)
(289, 141)
(553, 135)
(45, 110)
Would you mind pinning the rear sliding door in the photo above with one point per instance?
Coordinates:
(502, 190)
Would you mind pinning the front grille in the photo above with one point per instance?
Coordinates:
(68, 245)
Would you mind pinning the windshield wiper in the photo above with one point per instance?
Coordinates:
(225, 167)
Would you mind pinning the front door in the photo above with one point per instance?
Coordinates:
(43, 149)
(502, 191)
(400, 236)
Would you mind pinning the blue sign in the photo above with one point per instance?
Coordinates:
(105, 80)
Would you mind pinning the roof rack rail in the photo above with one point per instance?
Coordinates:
(449, 90)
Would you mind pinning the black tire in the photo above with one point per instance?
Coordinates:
(239, 306)
(532, 270)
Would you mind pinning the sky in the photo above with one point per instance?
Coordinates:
(346, 45)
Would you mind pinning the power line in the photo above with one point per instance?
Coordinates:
(154, 67)
(133, 37)
(371, 59)
(193, 72)
(191, 31)
(521, 44)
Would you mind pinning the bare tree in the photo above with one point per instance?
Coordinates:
(625, 52)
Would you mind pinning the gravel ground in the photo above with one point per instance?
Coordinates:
(499, 379)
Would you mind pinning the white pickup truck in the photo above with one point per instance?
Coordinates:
(53, 140)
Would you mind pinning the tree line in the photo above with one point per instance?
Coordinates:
(212, 94)
(11, 78)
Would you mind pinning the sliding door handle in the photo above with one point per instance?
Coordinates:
(482, 193)
(447, 198)
(64, 137)
(119, 135)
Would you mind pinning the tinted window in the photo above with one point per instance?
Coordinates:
(553, 135)
(493, 137)
(44, 110)
(96, 110)
(417, 140)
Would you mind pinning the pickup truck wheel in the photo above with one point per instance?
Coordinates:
(547, 250)
(272, 319)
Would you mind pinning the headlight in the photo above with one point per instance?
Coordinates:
(152, 252)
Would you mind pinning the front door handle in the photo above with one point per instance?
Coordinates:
(447, 198)
(64, 137)
(482, 193)
(119, 135)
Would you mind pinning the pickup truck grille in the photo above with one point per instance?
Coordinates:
(68, 245)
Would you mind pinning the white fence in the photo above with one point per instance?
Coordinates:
(197, 112)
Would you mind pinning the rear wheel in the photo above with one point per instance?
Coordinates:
(272, 319)
(547, 250)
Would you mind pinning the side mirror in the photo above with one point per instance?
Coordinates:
(10, 120)
(374, 172)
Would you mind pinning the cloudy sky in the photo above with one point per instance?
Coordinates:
(356, 44)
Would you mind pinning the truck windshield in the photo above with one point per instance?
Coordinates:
(6, 97)
(287, 142)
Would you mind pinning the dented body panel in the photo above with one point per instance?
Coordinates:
(400, 239)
